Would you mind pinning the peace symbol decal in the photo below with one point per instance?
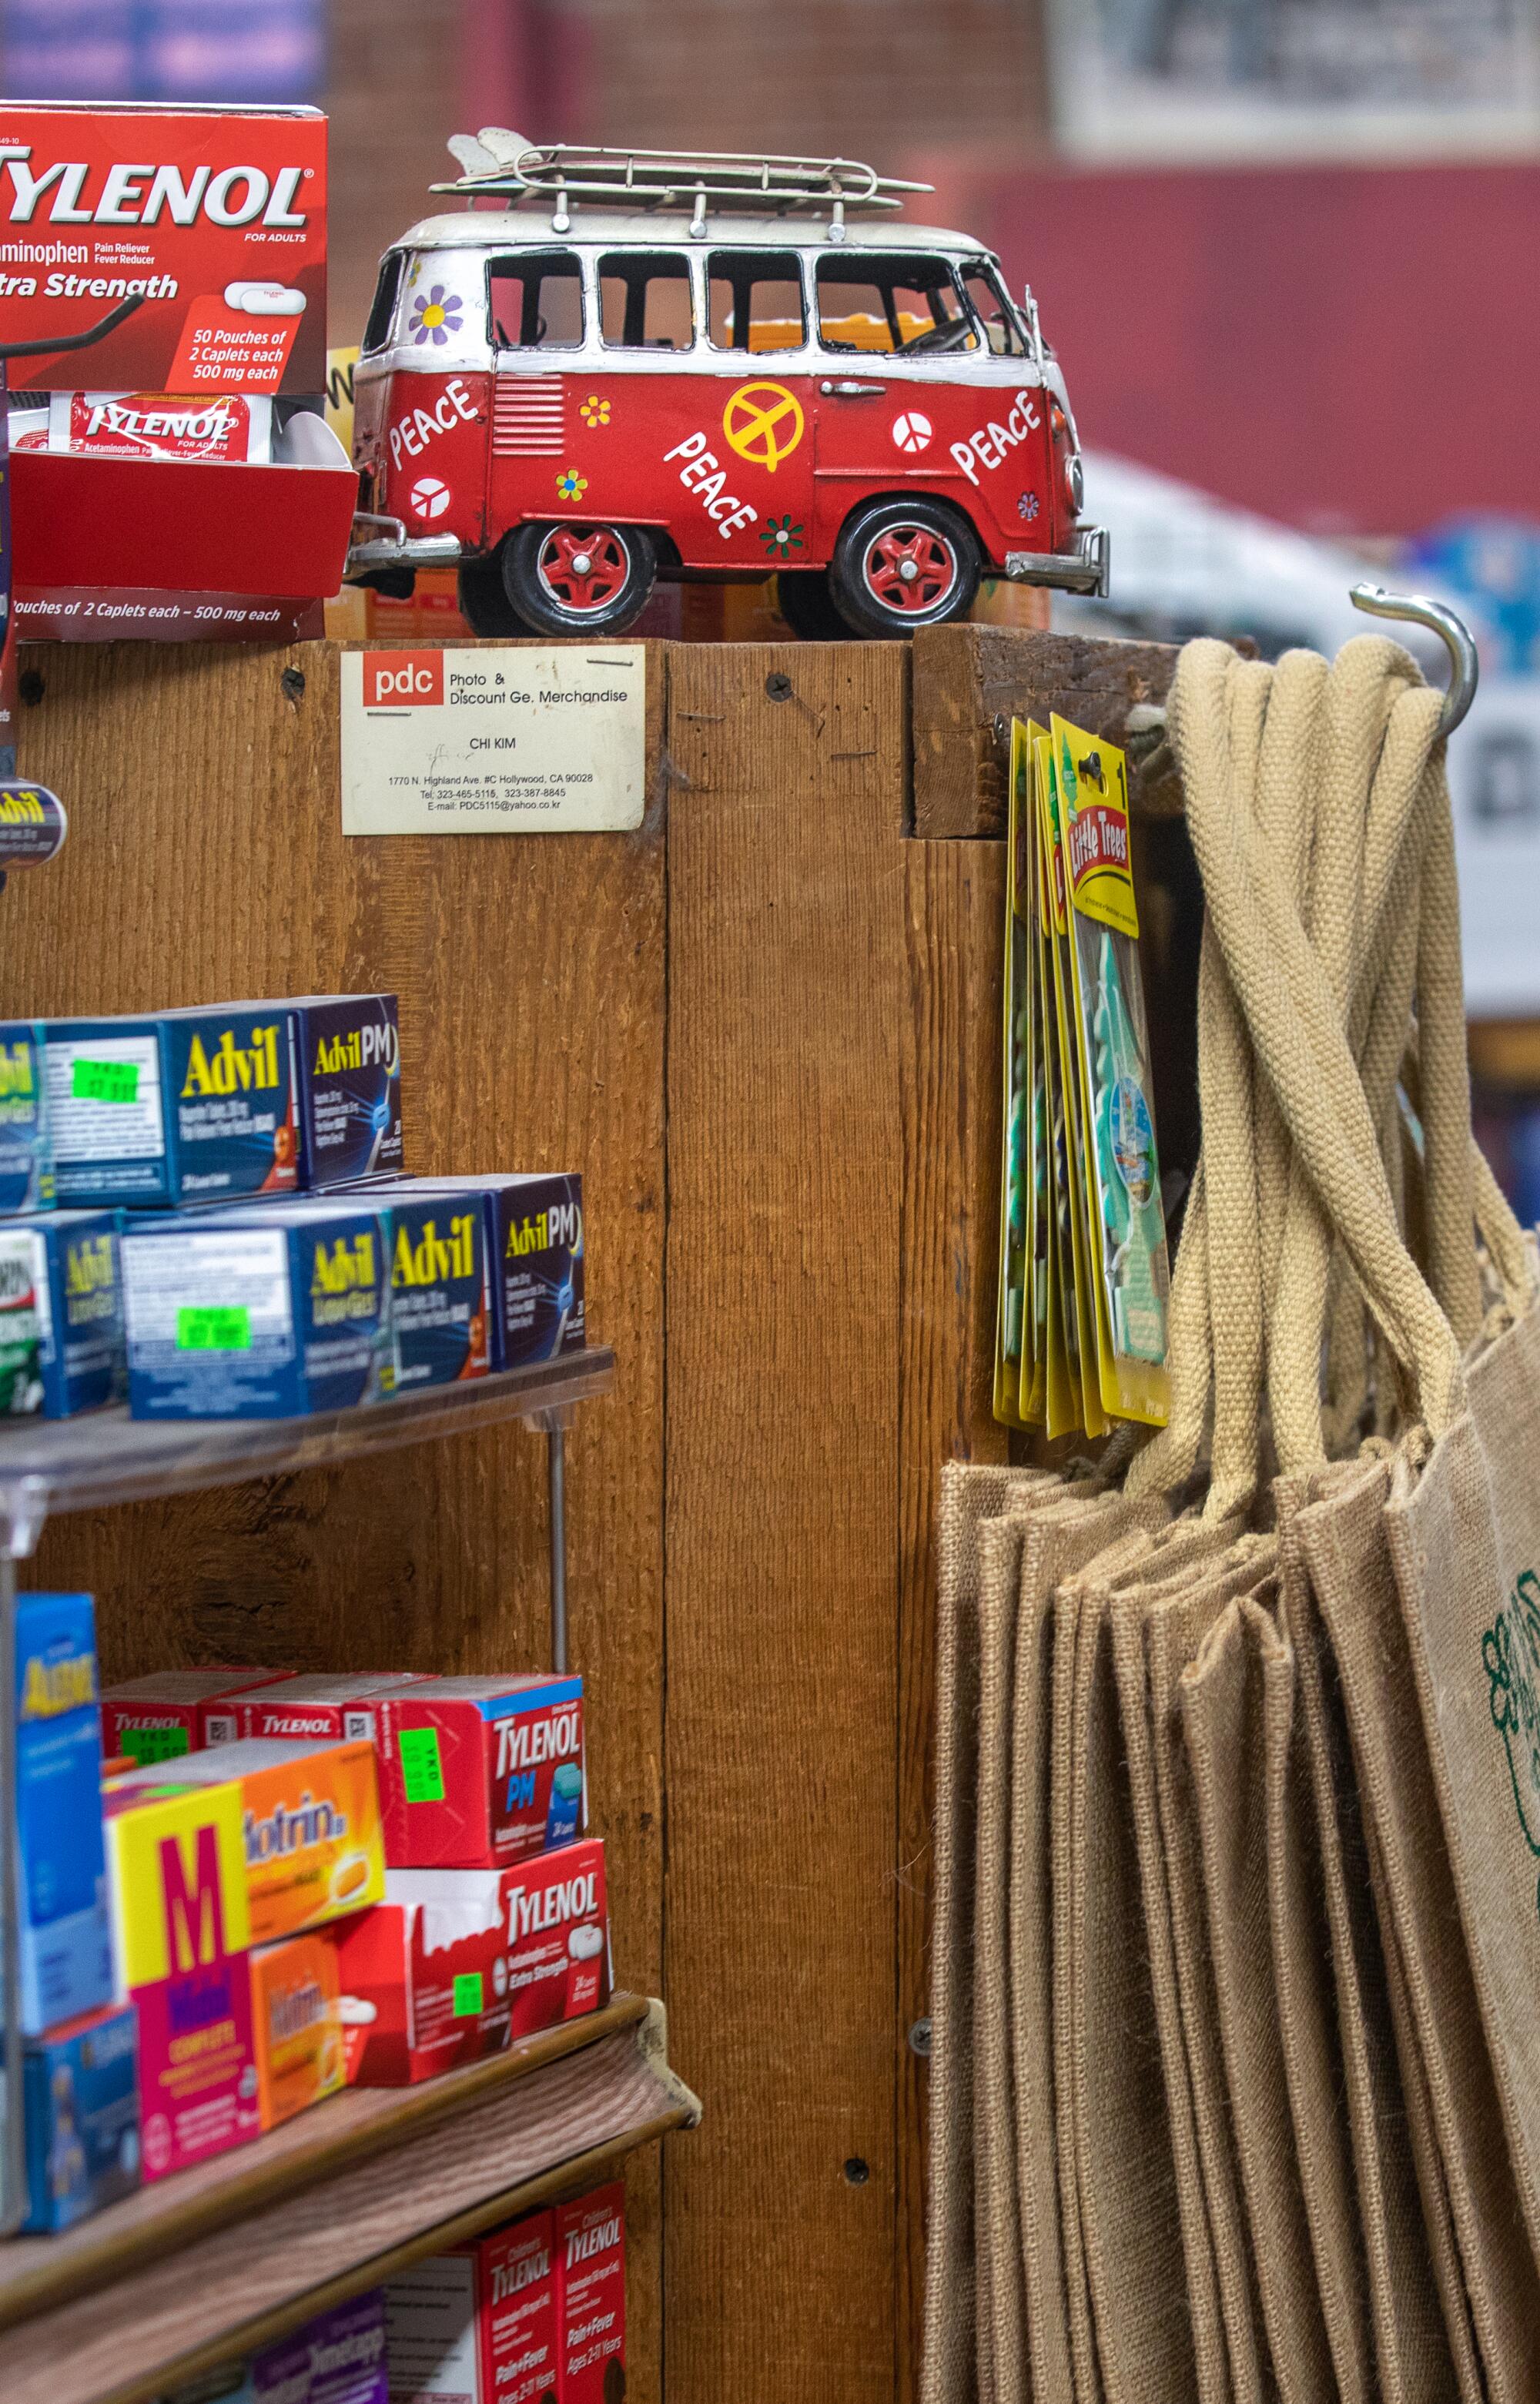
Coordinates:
(763, 423)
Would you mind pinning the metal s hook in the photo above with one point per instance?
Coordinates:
(1456, 637)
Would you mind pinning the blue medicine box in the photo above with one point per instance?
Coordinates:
(534, 1230)
(266, 1313)
(65, 1947)
(26, 1156)
(80, 2099)
(79, 1310)
(348, 1050)
(189, 1106)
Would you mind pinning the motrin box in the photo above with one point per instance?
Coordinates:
(82, 2089)
(26, 1157)
(477, 2325)
(297, 2024)
(556, 1930)
(477, 1772)
(267, 1313)
(424, 1976)
(310, 1826)
(348, 1048)
(168, 1712)
(64, 1950)
(190, 1106)
(181, 1931)
(535, 1249)
(589, 2254)
(214, 217)
(81, 1362)
(440, 1289)
(316, 1708)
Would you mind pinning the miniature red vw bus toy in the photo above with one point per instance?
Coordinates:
(642, 365)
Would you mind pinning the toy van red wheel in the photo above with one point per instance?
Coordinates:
(573, 579)
(901, 564)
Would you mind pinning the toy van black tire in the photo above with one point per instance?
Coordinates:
(901, 564)
(576, 578)
(803, 598)
(483, 599)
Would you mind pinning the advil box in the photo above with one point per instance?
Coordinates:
(172, 1712)
(423, 1977)
(535, 1245)
(477, 2326)
(191, 1106)
(589, 2259)
(214, 218)
(479, 1772)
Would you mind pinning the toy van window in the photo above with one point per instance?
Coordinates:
(993, 311)
(382, 314)
(535, 301)
(904, 306)
(645, 302)
(754, 301)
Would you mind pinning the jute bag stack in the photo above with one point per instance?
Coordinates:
(1203, 2123)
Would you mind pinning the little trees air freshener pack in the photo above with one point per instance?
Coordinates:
(1084, 1268)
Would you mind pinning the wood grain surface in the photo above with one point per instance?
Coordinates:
(787, 996)
(206, 861)
(243, 2286)
(968, 676)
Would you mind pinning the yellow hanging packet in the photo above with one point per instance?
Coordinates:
(1014, 1357)
(1061, 1392)
(1131, 1270)
(1075, 1261)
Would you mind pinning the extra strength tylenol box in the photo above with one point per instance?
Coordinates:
(481, 1772)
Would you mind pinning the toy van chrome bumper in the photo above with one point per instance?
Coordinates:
(396, 547)
(1081, 571)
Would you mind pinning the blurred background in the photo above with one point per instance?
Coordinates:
(1285, 250)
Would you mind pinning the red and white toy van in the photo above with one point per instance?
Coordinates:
(636, 365)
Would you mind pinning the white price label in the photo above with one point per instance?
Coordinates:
(531, 741)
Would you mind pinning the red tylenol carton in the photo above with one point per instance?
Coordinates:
(455, 1963)
(481, 1772)
(589, 2259)
(215, 218)
(424, 1978)
(477, 2326)
(329, 1709)
(173, 1712)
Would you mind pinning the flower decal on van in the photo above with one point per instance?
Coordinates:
(570, 486)
(595, 410)
(436, 314)
(780, 536)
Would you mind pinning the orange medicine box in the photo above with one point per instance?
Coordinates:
(296, 2024)
(310, 1821)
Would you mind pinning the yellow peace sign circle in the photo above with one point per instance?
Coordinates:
(763, 423)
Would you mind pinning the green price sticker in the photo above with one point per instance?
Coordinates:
(105, 1081)
(214, 1328)
(468, 1995)
(421, 1772)
(145, 1745)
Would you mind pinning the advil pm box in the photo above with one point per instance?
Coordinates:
(481, 1772)
(212, 218)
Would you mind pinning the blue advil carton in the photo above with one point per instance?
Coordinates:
(80, 2099)
(26, 1156)
(65, 1947)
(534, 1234)
(440, 1285)
(80, 1306)
(268, 1313)
(189, 1106)
(348, 1052)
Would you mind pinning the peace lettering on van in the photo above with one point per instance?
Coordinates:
(989, 446)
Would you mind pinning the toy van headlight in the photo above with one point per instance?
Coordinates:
(1075, 483)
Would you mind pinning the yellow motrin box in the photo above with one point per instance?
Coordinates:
(296, 2024)
(310, 1825)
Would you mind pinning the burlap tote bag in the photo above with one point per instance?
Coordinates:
(1296, 1024)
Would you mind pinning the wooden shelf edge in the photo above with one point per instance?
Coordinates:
(39, 2274)
(234, 2288)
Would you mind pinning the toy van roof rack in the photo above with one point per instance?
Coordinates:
(500, 164)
